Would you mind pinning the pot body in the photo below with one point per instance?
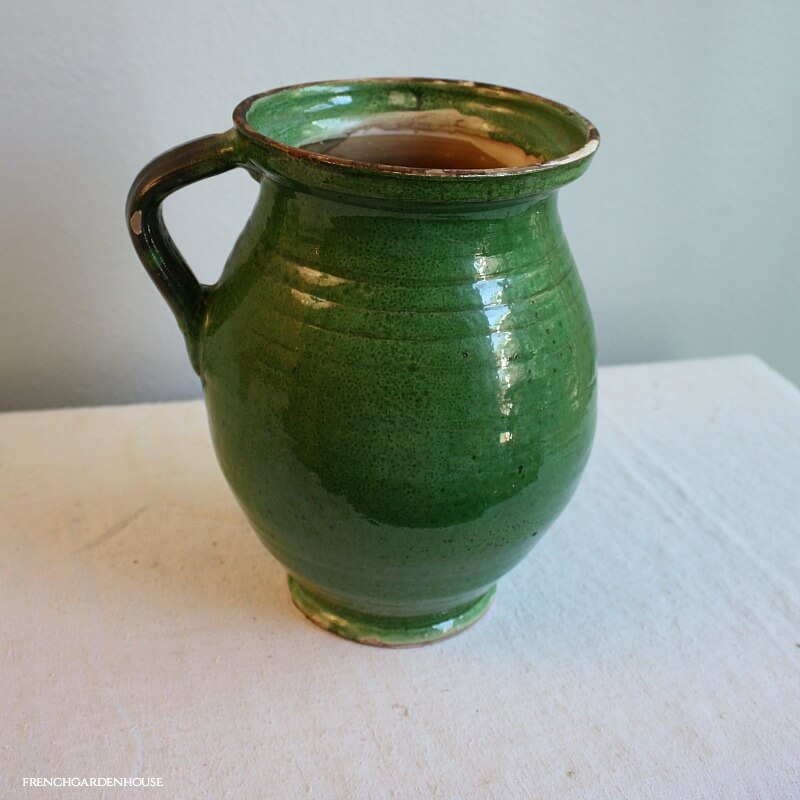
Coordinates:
(402, 398)
(398, 363)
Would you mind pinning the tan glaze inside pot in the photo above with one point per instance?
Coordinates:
(434, 140)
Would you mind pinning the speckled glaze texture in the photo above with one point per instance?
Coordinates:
(399, 365)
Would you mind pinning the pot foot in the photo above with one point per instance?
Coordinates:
(386, 631)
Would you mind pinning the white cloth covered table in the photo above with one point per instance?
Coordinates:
(649, 647)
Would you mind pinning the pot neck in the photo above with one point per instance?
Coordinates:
(398, 245)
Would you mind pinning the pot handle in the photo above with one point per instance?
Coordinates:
(181, 166)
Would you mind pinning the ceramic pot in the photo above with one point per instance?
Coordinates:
(398, 363)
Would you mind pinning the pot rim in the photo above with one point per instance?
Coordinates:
(583, 152)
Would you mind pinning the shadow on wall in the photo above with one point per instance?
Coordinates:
(80, 322)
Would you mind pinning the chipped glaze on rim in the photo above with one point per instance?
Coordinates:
(592, 142)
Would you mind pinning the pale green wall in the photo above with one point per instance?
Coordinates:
(686, 227)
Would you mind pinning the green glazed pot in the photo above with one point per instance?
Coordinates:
(398, 363)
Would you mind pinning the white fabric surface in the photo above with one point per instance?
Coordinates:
(649, 647)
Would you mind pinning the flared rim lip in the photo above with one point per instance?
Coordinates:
(591, 144)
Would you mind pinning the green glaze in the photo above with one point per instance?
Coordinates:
(398, 364)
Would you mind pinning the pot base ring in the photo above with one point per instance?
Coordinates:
(385, 631)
